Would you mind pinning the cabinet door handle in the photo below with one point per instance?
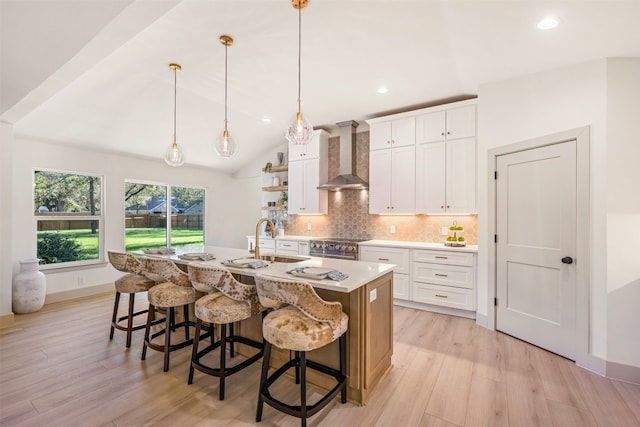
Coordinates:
(448, 133)
(441, 133)
(448, 206)
(383, 259)
(441, 296)
(441, 206)
(441, 275)
(441, 257)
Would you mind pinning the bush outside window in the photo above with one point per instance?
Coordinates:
(148, 222)
(68, 213)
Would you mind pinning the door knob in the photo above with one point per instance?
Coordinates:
(567, 260)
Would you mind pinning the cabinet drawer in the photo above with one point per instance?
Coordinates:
(397, 256)
(287, 245)
(444, 295)
(443, 257)
(450, 275)
(303, 248)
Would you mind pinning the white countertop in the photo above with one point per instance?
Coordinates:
(360, 272)
(419, 245)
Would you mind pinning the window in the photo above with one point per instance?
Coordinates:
(146, 224)
(68, 212)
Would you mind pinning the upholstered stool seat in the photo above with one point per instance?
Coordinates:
(176, 291)
(289, 328)
(132, 283)
(227, 301)
(301, 322)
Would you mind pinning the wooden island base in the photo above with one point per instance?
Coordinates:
(369, 338)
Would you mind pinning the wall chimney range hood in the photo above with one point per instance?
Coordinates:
(347, 178)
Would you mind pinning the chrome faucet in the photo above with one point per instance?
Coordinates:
(273, 234)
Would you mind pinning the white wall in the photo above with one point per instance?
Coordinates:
(230, 205)
(6, 215)
(536, 105)
(623, 210)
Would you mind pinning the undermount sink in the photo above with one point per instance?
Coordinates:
(280, 258)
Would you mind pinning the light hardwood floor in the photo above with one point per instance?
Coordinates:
(58, 368)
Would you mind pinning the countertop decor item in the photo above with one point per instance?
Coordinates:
(455, 237)
(29, 287)
(174, 156)
(225, 144)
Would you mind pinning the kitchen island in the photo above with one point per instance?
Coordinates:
(366, 297)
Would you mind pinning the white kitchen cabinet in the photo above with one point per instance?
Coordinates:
(447, 124)
(391, 133)
(397, 256)
(392, 181)
(286, 247)
(267, 244)
(445, 177)
(303, 248)
(306, 172)
(446, 161)
(443, 278)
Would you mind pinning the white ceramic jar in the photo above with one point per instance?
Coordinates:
(29, 287)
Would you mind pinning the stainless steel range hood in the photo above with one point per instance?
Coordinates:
(347, 178)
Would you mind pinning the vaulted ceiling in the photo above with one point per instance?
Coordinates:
(95, 73)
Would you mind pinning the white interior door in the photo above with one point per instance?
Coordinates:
(536, 246)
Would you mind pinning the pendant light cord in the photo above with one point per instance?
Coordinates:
(299, 51)
(226, 47)
(175, 96)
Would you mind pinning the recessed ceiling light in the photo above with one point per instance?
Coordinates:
(548, 23)
(383, 89)
(266, 120)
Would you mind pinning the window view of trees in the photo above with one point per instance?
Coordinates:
(146, 224)
(68, 214)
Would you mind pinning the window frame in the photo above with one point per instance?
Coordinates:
(168, 196)
(99, 218)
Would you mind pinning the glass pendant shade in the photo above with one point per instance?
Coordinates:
(174, 156)
(300, 131)
(225, 145)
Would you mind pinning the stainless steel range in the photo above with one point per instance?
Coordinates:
(335, 248)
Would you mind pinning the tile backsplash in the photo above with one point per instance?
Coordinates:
(349, 216)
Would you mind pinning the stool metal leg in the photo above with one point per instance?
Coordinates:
(167, 338)
(296, 356)
(186, 322)
(115, 314)
(150, 316)
(266, 360)
(130, 319)
(194, 353)
(223, 358)
(303, 387)
(343, 365)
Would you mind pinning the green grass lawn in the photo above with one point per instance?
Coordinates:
(135, 239)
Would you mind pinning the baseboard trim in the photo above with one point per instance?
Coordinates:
(481, 320)
(7, 321)
(78, 293)
(435, 308)
(626, 373)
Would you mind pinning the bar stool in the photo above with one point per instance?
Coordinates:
(131, 283)
(227, 301)
(176, 291)
(301, 321)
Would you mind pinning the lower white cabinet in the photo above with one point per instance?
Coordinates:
(397, 256)
(279, 246)
(425, 278)
(444, 278)
(289, 247)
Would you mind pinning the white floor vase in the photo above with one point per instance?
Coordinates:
(29, 287)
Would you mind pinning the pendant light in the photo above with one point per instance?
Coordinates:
(300, 131)
(174, 156)
(225, 144)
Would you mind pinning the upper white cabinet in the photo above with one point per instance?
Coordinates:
(392, 181)
(454, 123)
(391, 133)
(446, 160)
(308, 168)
